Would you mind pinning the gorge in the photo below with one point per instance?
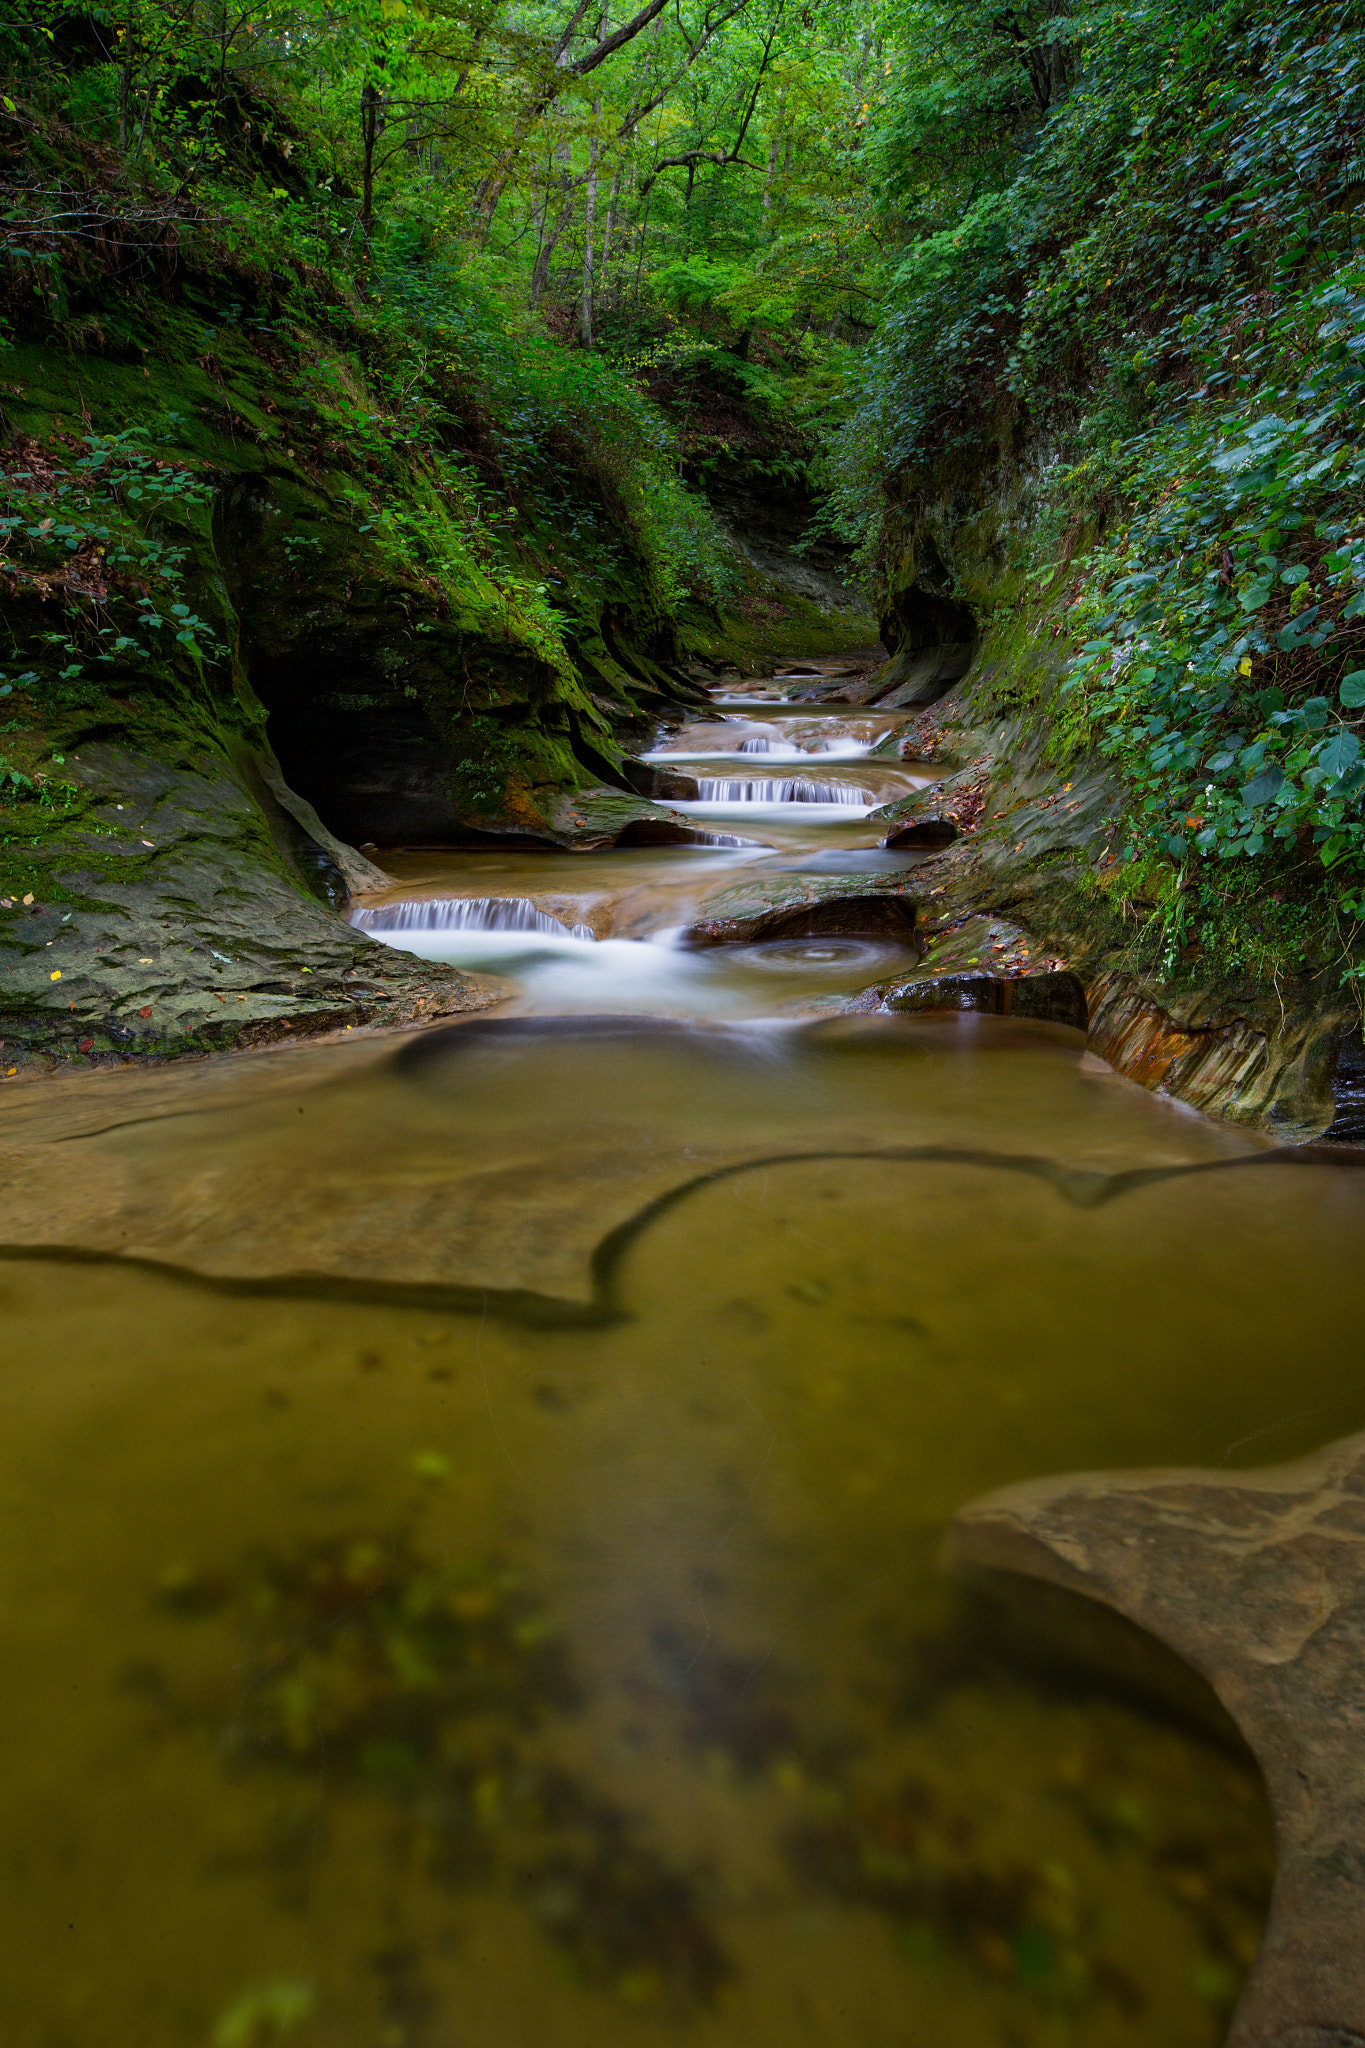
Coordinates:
(680, 1076)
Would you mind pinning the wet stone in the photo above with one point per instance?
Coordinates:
(1257, 1580)
(1054, 998)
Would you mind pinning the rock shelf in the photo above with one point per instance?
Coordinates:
(1257, 1580)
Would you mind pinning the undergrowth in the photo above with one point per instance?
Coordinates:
(1139, 337)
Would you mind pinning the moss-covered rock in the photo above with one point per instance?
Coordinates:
(243, 642)
(163, 918)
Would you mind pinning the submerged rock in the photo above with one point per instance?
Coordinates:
(1257, 1580)
(507, 1164)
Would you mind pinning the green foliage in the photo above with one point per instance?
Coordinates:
(697, 284)
(96, 533)
(1225, 642)
(1126, 314)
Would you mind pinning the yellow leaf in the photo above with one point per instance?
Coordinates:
(1244, 665)
(55, 975)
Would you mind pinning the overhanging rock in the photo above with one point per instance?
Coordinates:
(1257, 1580)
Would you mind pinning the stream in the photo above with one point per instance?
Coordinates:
(613, 940)
(473, 1496)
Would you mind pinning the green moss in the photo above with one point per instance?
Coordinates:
(773, 628)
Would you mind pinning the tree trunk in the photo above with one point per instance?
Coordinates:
(547, 250)
(589, 225)
(771, 171)
(644, 237)
(609, 223)
(540, 211)
(861, 73)
(371, 128)
(125, 80)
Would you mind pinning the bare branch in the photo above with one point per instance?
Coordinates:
(696, 156)
(567, 34)
(627, 33)
(689, 158)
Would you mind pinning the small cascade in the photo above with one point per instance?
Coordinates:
(728, 790)
(466, 914)
(776, 750)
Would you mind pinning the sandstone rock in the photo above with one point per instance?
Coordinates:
(180, 927)
(586, 819)
(925, 677)
(1234, 1065)
(1056, 997)
(786, 905)
(1257, 1580)
(936, 829)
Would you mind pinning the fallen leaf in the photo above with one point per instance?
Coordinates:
(147, 1012)
(55, 975)
(29, 897)
(85, 1045)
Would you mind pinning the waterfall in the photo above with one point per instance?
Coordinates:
(798, 791)
(467, 914)
(755, 746)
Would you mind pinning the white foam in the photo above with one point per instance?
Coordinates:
(773, 750)
(660, 974)
(756, 813)
(464, 914)
(797, 789)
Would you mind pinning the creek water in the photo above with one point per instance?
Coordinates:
(473, 1497)
(639, 902)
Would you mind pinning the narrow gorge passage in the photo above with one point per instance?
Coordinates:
(571, 1662)
(682, 959)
